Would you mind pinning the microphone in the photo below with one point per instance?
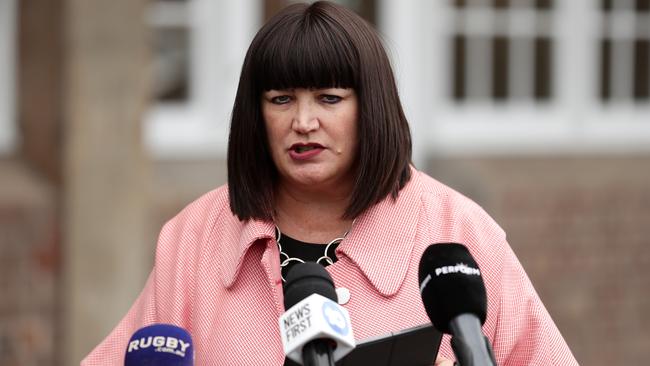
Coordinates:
(454, 297)
(160, 344)
(315, 329)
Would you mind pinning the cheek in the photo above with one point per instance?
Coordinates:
(352, 133)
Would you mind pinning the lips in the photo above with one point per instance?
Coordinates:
(305, 151)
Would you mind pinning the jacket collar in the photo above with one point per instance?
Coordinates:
(382, 239)
(380, 243)
(245, 234)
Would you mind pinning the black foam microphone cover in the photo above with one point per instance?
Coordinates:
(451, 284)
(305, 279)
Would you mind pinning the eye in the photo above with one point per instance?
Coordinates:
(281, 99)
(330, 99)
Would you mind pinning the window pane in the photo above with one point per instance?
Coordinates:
(458, 66)
(641, 64)
(605, 69)
(543, 71)
(501, 3)
(606, 5)
(171, 64)
(500, 68)
(544, 4)
(460, 3)
(502, 61)
(642, 5)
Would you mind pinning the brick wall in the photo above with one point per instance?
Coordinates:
(28, 267)
(581, 228)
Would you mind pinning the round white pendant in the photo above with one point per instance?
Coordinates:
(343, 295)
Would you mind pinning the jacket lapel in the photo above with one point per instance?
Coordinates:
(243, 235)
(382, 239)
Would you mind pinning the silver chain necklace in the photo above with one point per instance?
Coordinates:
(285, 259)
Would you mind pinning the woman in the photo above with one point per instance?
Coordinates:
(319, 169)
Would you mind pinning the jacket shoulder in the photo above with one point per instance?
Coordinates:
(455, 214)
(182, 238)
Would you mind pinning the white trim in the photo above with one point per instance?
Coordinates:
(401, 23)
(220, 34)
(8, 128)
(574, 121)
(576, 54)
(526, 130)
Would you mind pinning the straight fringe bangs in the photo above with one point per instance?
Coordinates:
(313, 53)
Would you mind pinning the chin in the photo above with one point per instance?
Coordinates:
(311, 178)
(317, 177)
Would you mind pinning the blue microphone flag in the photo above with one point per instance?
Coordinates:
(160, 344)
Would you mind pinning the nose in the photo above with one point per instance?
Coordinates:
(305, 119)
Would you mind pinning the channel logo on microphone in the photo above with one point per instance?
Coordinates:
(160, 344)
(173, 345)
(335, 318)
(458, 268)
(315, 317)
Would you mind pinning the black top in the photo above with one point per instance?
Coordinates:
(308, 252)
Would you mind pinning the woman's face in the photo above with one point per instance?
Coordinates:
(312, 136)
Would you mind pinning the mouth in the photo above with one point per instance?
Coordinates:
(305, 152)
(301, 148)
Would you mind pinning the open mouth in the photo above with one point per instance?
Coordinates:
(302, 149)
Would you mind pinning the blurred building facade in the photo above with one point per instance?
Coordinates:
(114, 115)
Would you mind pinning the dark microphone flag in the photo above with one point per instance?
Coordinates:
(160, 344)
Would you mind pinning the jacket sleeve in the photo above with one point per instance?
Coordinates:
(524, 332)
(518, 325)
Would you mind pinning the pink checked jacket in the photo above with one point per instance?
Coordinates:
(219, 278)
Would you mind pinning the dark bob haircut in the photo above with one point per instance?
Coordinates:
(318, 46)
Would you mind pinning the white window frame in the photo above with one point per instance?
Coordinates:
(573, 121)
(8, 54)
(219, 37)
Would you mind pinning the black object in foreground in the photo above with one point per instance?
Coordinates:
(305, 279)
(454, 297)
(315, 329)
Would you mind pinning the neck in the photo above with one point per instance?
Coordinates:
(312, 217)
